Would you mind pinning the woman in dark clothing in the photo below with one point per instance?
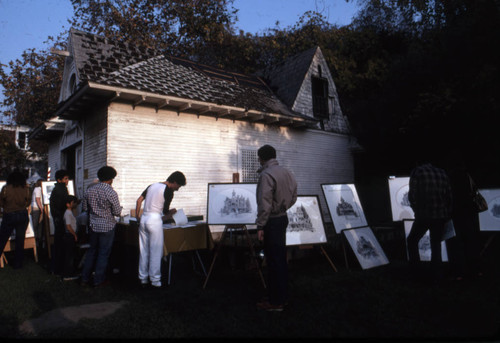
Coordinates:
(14, 202)
(464, 248)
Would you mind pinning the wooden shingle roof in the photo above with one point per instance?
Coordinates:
(145, 75)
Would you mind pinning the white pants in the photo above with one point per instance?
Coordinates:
(151, 247)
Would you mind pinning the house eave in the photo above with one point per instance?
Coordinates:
(93, 93)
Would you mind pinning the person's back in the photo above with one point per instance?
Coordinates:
(103, 206)
(154, 200)
(430, 192)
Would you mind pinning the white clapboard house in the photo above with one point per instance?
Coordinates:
(148, 114)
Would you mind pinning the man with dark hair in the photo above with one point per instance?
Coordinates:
(157, 198)
(102, 204)
(57, 209)
(276, 193)
(431, 200)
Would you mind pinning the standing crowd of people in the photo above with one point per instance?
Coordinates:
(436, 197)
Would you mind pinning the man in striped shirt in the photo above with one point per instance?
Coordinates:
(102, 204)
(431, 200)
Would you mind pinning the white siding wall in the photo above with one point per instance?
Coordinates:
(94, 150)
(146, 147)
(54, 158)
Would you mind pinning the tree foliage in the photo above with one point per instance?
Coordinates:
(189, 28)
(409, 73)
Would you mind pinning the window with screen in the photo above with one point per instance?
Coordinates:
(249, 165)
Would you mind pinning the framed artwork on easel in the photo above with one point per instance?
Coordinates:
(489, 220)
(231, 203)
(305, 222)
(344, 206)
(366, 247)
(400, 205)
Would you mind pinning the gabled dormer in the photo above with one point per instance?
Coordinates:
(304, 83)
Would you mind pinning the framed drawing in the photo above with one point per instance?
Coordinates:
(424, 245)
(231, 203)
(400, 205)
(489, 220)
(305, 222)
(366, 247)
(344, 206)
(48, 186)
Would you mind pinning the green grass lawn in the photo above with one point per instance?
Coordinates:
(382, 302)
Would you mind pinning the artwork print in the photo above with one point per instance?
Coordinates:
(366, 247)
(400, 204)
(344, 206)
(489, 220)
(305, 222)
(424, 245)
(232, 203)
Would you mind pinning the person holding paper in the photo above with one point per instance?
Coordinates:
(157, 198)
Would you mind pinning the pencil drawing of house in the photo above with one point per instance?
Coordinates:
(236, 204)
(299, 220)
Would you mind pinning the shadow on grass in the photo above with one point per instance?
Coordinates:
(383, 302)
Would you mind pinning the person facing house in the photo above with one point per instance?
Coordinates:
(157, 198)
(431, 200)
(70, 238)
(464, 249)
(37, 213)
(102, 203)
(57, 209)
(276, 193)
(14, 203)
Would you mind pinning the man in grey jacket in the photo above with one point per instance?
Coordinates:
(276, 193)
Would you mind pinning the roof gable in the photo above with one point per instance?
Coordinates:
(101, 61)
(286, 78)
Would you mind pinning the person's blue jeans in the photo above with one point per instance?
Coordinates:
(17, 220)
(98, 255)
(275, 253)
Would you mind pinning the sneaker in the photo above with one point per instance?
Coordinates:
(71, 278)
(269, 307)
(144, 283)
(156, 284)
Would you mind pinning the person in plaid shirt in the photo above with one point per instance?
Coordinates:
(102, 204)
(431, 200)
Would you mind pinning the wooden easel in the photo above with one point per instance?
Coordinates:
(230, 228)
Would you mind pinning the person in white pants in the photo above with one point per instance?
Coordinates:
(157, 198)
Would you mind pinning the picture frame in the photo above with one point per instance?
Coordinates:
(400, 204)
(231, 203)
(305, 222)
(489, 220)
(366, 247)
(424, 245)
(344, 206)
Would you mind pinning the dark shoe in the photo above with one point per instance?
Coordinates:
(269, 307)
(103, 284)
(266, 300)
(85, 284)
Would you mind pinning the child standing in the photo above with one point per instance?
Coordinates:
(70, 239)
